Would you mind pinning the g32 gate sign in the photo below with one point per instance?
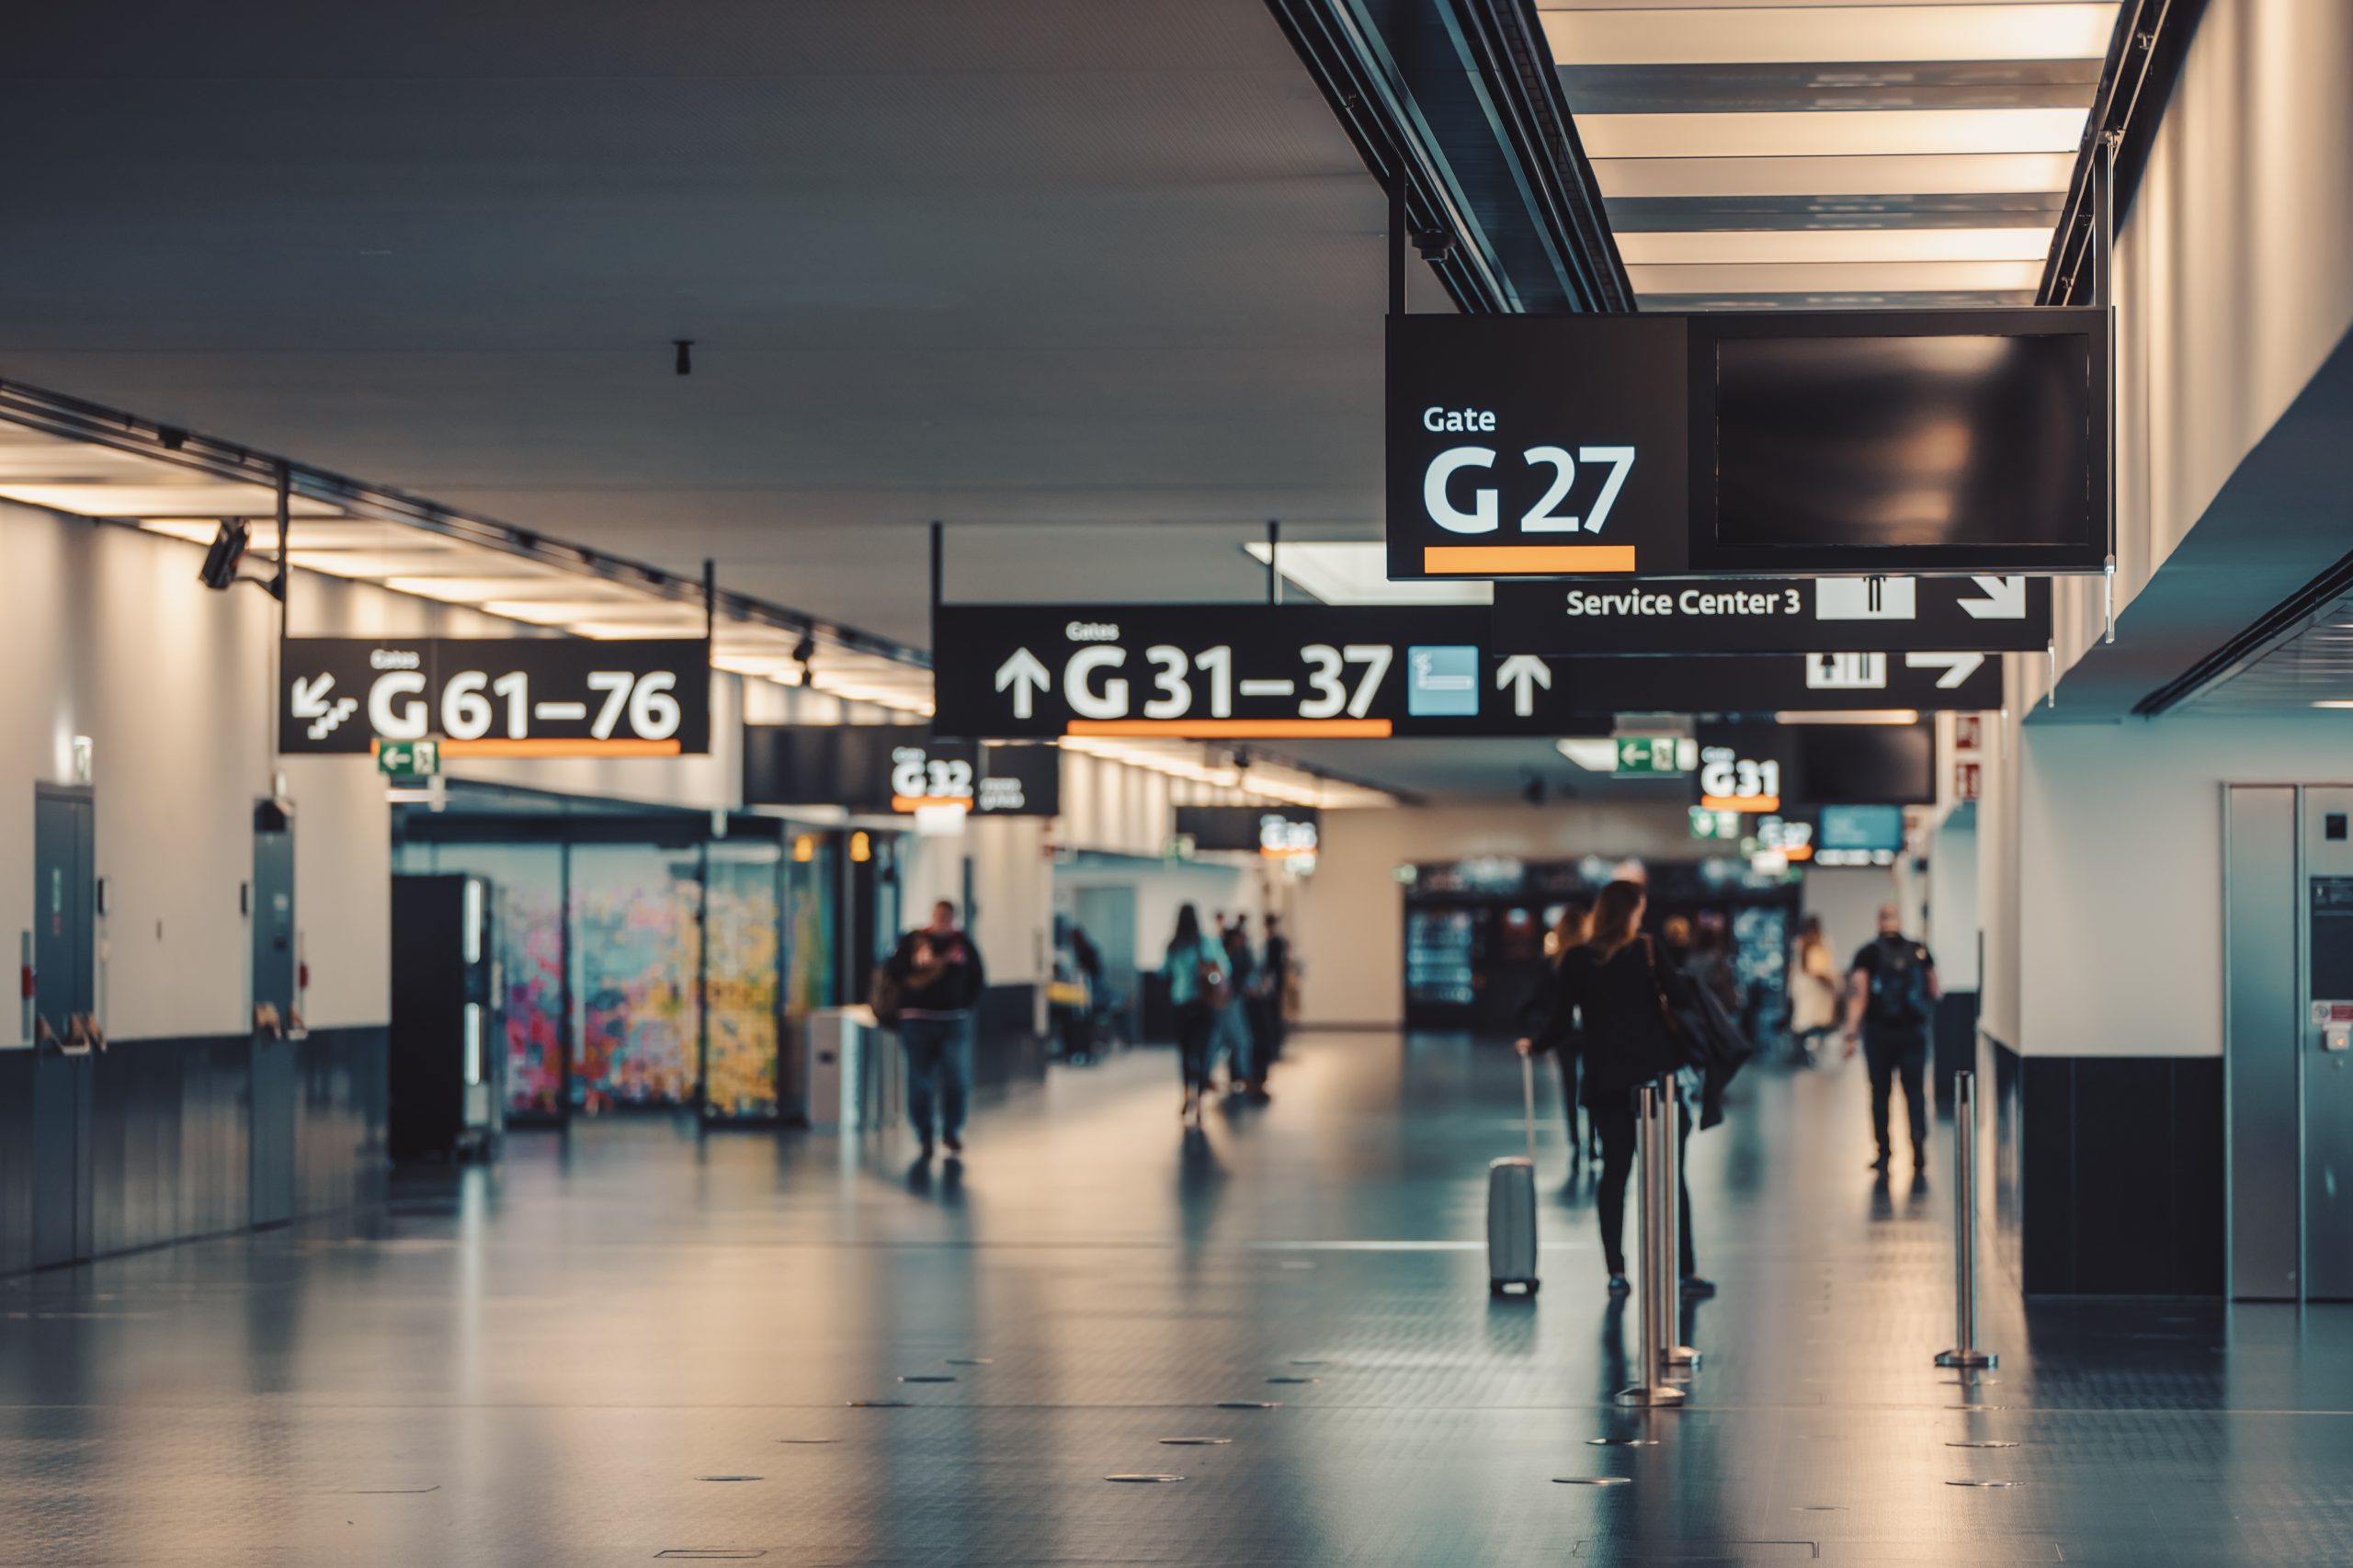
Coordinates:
(497, 697)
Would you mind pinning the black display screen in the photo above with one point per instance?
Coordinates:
(1869, 764)
(1926, 446)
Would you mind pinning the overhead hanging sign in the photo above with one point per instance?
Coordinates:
(1779, 683)
(1773, 615)
(1536, 446)
(1230, 672)
(1760, 443)
(899, 767)
(495, 696)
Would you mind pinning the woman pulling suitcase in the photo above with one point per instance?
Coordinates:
(1613, 983)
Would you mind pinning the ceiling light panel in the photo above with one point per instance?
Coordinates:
(1358, 573)
(1801, 34)
(1742, 150)
(1720, 246)
(1819, 134)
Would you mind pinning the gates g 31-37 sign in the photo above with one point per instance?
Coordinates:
(497, 697)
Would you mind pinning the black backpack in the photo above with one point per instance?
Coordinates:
(1900, 985)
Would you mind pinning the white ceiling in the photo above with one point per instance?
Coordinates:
(1831, 154)
(1100, 284)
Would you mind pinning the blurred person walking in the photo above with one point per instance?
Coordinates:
(1197, 983)
(1891, 1004)
(935, 979)
(1612, 1005)
(1813, 991)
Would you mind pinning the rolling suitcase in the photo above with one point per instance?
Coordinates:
(1511, 1206)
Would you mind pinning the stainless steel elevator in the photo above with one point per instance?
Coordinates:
(2288, 896)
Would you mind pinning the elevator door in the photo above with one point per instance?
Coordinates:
(64, 987)
(2327, 1023)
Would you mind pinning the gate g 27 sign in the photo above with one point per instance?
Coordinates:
(497, 697)
(1536, 446)
(1748, 443)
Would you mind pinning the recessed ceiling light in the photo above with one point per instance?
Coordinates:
(2334, 702)
(1852, 716)
(1358, 573)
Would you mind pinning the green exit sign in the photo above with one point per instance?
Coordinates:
(408, 759)
(1651, 754)
(1723, 827)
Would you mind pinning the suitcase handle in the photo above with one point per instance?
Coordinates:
(1528, 1087)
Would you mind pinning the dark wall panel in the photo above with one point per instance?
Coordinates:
(2109, 1173)
(167, 1135)
(15, 1160)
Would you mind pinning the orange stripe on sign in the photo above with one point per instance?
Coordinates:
(1236, 728)
(615, 747)
(1528, 560)
(912, 803)
(1740, 802)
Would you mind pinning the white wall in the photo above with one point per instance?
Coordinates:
(1349, 926)
(2233, 277)
(2120, 873)
(1950, 927)
(1847, 899)
(109, 635)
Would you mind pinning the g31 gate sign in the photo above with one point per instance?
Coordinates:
(497, 697)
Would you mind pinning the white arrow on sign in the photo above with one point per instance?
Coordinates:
(1026, 677)
(1958, 668)
(1519, 672)
(2005, 599)
(310, 697)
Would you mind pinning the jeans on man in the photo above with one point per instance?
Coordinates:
(1890, 1054)
(939, 1068)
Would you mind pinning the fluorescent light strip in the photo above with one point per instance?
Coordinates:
(1940, 174)
(1839, 277)
(1816, 134)
(1750, 247)
(1358, 573)
(1848, 716)
(1799, 35)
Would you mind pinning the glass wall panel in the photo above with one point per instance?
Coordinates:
(812, 889)
(746, 971)
(636, 962)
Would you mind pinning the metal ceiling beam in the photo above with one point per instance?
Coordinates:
(1459, 99)
(2144, 62)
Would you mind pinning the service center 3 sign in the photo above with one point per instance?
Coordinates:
(1775, 615)
(497, 697)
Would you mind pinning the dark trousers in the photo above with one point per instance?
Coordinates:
(1193, 1020)
(939, 1071)
(1613, 1123)
(1889, 1057)
(1266, 1035)
(1572, 1110)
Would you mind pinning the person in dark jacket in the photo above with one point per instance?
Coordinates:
(940, 980)
(1609, 1001)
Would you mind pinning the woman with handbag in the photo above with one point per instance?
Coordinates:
(1197, 986)
(1614, 985)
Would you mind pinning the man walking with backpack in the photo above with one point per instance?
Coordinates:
(1891, 1004)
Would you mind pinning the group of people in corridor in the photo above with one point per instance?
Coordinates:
(1621, 1009)
(1229, 1000)
(1618, 1010)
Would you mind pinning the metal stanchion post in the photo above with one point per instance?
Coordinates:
(1964, 1352)
(1649, 1388)
(1673, 1355)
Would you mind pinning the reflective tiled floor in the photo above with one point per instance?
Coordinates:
(629, 1346)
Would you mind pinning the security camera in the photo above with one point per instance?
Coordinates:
(804, 649)
(1436, 244)
(219, 572)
